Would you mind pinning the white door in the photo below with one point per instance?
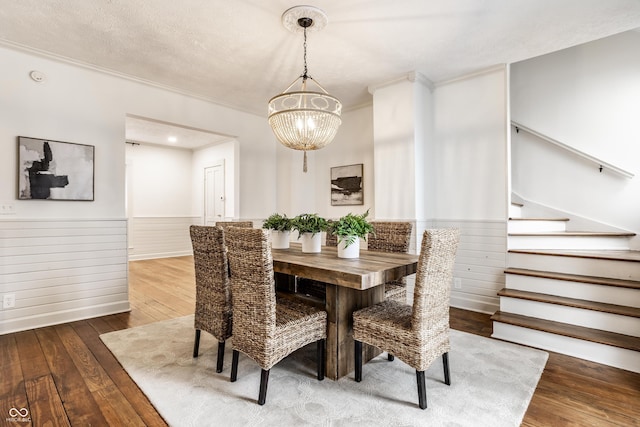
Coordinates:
(214, 194)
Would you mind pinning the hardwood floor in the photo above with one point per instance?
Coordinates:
(64, 374)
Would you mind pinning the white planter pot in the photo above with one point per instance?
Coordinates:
(279, 239)
(351, 251)
(311, 243)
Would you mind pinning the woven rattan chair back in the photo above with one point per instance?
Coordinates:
(417, 334)
(253, 288)
(263, 329)
(390, 236)
(331, 240)
(433, 281)
(243, 224)
(213, 312)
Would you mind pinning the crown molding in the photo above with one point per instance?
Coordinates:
(413, 77)
(66, 60)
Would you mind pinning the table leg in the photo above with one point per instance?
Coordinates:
(341, 302)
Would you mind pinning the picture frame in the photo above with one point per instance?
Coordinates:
(55, 170)
(346, 185)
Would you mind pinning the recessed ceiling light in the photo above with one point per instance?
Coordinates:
(172, 139)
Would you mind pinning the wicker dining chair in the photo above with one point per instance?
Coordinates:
(225, 224)
(416, 334)
(264, 329)
(213, 293)
(331, 239)
(391, 237)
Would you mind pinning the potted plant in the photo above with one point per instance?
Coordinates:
(310, 227)
(350, 229)
(280, 227)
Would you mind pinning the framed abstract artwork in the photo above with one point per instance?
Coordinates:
(54, 170)
(346, 185)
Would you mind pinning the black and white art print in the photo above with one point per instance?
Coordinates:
(346, 185)
(54, 170)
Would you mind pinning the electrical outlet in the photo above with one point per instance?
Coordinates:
(7, 208)
(457, 283)
(9, 301)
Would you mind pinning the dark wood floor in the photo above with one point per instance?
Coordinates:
(64, 374)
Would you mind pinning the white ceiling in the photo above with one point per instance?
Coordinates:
(146, 131)
(237, 53)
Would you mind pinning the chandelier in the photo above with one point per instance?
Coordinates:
(301, 118)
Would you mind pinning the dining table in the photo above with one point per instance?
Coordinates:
(351, 284)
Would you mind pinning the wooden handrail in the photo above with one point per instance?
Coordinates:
(601, 164)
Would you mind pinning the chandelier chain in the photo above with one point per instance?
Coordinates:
(304, 75)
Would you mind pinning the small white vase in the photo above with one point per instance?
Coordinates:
(279, 239)
(311, 243)
(351, 251)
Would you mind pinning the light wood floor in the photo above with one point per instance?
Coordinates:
(66, 376)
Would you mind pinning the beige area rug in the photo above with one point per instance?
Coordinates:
(491, 384)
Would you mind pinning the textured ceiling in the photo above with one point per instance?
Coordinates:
(238, 54)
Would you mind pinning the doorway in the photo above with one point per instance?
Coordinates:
(214, 195)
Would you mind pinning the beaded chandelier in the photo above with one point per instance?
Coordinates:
(304, 119)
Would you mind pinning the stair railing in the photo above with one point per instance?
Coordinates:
(601, 164)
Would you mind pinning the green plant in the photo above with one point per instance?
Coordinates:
(278, 222)
(350, 227)
(309, 223)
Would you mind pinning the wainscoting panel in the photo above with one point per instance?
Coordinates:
(160, 237)
(480, 262)
(62, 270)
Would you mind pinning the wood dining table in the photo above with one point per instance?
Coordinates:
(351, 284)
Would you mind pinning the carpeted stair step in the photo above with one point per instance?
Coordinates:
(579, 332)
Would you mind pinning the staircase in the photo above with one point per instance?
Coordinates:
(575, 293)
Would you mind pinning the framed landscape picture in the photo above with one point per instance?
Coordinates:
(346, 185)
(54, 170)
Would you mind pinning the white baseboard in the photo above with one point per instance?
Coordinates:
(55, 318)
(467, 302)
(141, 257)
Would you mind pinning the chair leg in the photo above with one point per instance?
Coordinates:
(445, 363)
(264, 380)
(422, 390)
(320, 358)
(220, 356)
(390, 357)
(358, 359)
(234, 365)
(196, 344)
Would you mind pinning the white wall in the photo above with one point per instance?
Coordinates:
(469, 180)
(81, 105)
(159, 195)
(396, 114)
(300, 192)
(161, 181)
(471, 134)
(585, 97)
